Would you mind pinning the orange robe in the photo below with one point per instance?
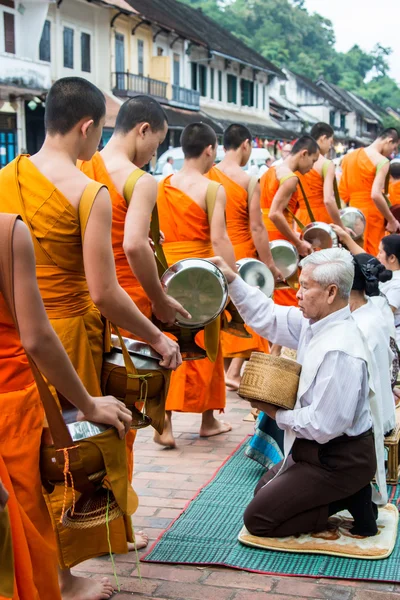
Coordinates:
(313, 184)
(96, 169)
(394, 191)
(358, 174)
(21, 425)
(76, 320)
(269, 186)
(197, 385)
(238, 228)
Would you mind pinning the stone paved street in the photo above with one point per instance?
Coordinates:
(165, 480)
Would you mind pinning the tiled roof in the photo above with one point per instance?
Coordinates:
(194, 25)
(318, 90)
(354, 103)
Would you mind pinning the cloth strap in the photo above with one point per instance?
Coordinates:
(39, 251)
(85, 208)
(129, 186)
(251, 187)
(308, 207)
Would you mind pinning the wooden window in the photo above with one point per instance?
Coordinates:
(220, 86)
(85, 52)
(9, 32)
(203, 80)
(332, 118)
(232, 89)
(140, 50)
(247, 92)
(68, 48)
(194, 75)
(212, 76)
(177, 69)
(120, 61)
(45, 43)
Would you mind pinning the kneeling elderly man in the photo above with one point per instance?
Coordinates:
(333, 457)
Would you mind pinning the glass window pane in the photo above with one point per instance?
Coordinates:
(85, 52)
(45, 43)
(68, 48)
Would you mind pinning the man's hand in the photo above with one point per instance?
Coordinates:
(166, 307)
(304, 248)
(393, 226)
(3, 497)
(224, 267)
(107, 410)
(169, 350)
(276, 273)
(343, 234)
(268, 409)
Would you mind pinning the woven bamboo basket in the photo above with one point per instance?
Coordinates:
(270, 379)
(93, 511)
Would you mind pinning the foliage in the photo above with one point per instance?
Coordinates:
(284, 32)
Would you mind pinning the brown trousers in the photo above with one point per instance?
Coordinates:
(297, 501)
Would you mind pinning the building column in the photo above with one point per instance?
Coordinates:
(21, 126)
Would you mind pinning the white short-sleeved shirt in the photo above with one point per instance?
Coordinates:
(391, 289)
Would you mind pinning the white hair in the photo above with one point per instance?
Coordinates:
(332, 266)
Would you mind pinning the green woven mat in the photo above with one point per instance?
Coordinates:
(206, 534)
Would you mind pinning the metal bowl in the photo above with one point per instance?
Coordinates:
(256, 273)
(286, 257)
(200, 287)
(81, 430)
(143, 355)
(354, 219)
(320, 236)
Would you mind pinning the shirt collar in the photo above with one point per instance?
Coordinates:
(396, 275)
(338, 315)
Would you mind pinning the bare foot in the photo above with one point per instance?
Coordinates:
(215, 428)
(82, 588)
(166, 439)
(232, 383)
(141, 541)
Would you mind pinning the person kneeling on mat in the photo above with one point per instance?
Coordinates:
(329, 432)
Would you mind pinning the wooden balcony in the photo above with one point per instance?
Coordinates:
(185, 98)
(129, 85)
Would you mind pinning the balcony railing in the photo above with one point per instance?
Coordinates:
(128, 84)
(185, 97)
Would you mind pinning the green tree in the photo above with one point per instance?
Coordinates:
(285, 33)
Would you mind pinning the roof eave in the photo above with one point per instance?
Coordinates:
(276, 72)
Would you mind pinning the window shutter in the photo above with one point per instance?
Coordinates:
(9, 32)
(68, 48)
(45, 43)
(85, 52)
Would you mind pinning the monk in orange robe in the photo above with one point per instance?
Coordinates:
(21, 418)
(362, 183)
(246, 231)
(318, 183)
(76, 277)
(279, 195)
(197, 386)
(394, 184)
(140, 128)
